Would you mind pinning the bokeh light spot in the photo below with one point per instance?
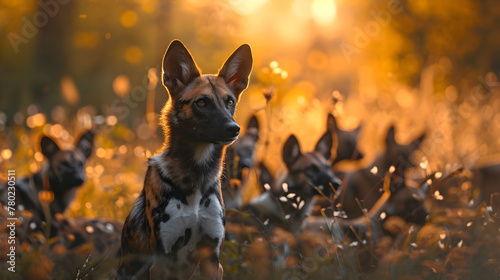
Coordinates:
(133, 54)
(100, 152)
(6, 154)
(69, 91)
(121, 85)
(39, 156)
(128, 18)
(56, 131)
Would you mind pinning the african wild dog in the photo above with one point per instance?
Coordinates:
(487, 179)
(308, 175)
(76, 233)
(64, 172)
(386, 223)
(365, 186)
(239, 161)
(178, 219)
(245, 147)
(347, 141)
(61, 176)
(346, 150)
(398, 200)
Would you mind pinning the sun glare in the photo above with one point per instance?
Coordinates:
(246, 7)
(323, 11)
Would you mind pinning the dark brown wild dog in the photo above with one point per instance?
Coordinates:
(398, 200)
(63, 173)
(347, 141)
(288, 201)
(487, 178)
(364, 186)
(178, 219)
(238, 163)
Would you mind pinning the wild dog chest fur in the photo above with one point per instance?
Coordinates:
(187, 221)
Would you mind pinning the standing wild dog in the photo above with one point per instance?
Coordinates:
(178, 219)
(64, 172)
(365, 186)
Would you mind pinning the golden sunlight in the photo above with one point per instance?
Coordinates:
(323, 11)
(363, 125)
(246, 7)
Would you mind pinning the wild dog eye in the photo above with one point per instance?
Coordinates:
(201, 103)
(230, 102)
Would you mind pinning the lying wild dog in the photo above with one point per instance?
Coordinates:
(245, 147)
(346, 150)
(377, 231)
(102, 234)
(364, 186)
(449, 190)
(286, 202)
(239, 161)
(397, 200)
(289, 200)
(178, 219)
(487, 179)
(59, 178)
(347, 141)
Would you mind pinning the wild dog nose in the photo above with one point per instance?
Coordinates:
(232, 129)
(79, 181)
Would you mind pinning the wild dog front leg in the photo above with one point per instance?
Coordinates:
(220, 273)
(171, 258)
(212, 235)
(163, 269)
(211, 268)
(209, 252)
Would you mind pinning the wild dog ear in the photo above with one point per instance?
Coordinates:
(236, 70)
(324, 145)
(390, 137)
(178, 67)
(265, 176)
(331, 123)
(291, 151)
(253, 123)
(416, 143)
(357, 130)
(253, 127)
(49, 147)
(86, 143)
